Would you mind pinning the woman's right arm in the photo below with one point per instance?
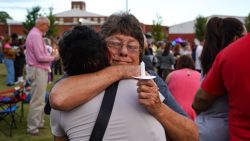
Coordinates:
(76, 90)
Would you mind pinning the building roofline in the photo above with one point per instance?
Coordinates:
(209, 17)
(78, 13)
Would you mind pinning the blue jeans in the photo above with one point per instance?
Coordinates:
(9, 63)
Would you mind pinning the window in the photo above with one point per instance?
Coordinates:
(75, 20)
(61, 20)
(102, 20)
(96, 19)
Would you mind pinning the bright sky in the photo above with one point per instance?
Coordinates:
(171, 11)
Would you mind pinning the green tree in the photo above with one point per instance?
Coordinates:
(3, 19)
(31, 19)
(200, 25)
(247, 22)
(157, 28)
(4, 16)
(52, 29)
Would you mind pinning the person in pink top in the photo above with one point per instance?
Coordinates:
(183, 83)
(9, 57)
(38, 64)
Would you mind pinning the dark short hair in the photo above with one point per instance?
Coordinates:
(82, 50)
(14, 39)
(14, 36)
(124, 23)
(185, 61)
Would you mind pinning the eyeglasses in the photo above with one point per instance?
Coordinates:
(117, 45)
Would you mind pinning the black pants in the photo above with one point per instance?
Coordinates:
(57, 66)
(18, 66)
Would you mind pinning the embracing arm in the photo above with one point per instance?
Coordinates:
(76, 90)
(202, 101)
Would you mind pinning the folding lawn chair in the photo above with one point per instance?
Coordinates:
(8, 109)
(9, 106)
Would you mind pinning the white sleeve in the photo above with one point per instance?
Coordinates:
(55, 123)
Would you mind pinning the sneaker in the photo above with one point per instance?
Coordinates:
(37, 133)
(20, 79)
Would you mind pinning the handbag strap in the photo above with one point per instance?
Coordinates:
(104, 113)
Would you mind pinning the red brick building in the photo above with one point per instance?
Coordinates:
(11, 26)
(70, 18)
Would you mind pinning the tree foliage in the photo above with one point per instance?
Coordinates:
(247, 23)
(4, 16)
(200, 25)
(157, 28)
(52, 29)
(31, 19)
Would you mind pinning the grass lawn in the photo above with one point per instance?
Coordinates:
(19, 134)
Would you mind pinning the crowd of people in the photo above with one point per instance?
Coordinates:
(13, 58)
(163, 55)
(12, 55)
(40, 56)
(197, 92)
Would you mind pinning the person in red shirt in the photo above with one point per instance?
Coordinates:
(220, 32)
(230, 75)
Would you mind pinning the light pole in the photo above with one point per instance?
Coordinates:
(126, 5)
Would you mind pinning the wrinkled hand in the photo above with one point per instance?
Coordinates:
(149, 96)
(127, 71)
